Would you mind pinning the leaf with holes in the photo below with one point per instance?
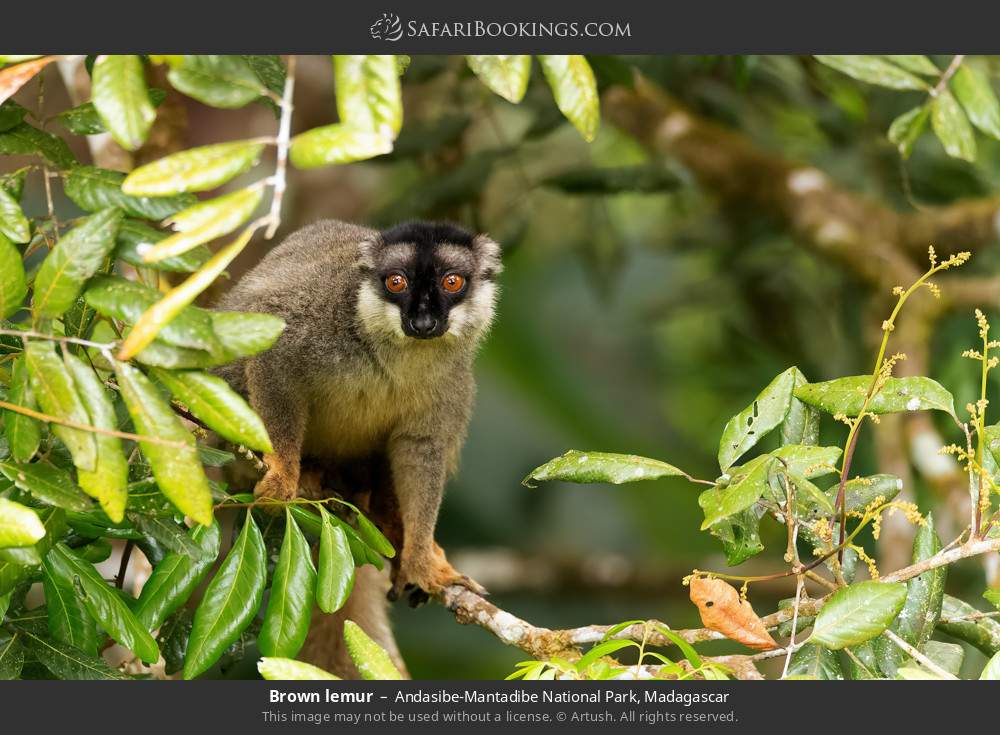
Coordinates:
(754, 422)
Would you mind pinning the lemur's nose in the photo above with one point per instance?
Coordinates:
(423, 325)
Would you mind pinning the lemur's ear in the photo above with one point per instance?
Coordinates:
(367, 250)
(487, 252)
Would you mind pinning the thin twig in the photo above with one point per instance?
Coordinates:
(281, 161)
(918, 656)
(103, 346)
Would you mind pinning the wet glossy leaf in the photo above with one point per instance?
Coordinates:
(26, 140)
(335, 579)
(68, 662)
(11, 655)
(874, 70)
(858, 613)
(983, 633)
(195, 169)
(121, 99)
(84, 120)
(246, 333)
(13, 287)
(370, 534)
(575, 90)
(219, 81)
(93, 189)
(47, 483)
(11, 114)
(12, 572)
(808, 461)
(908, 127)
(847, 395)
(506, 75)
(135, 238)
(67, 616)
(754, 422)
(175, 578)
(370, 659)
(337, 143)
(108, 482)
(77, 256)
(19, 525)
(577, 466)
(177, 469)
(952, 127)
(740, 535)
(369, 96)
(862, 491)
(204, 222)
(13, 224)
(975, 93)
(230, 602)
(289, 607)
(286, 669)
(23, 432)
(744, 489)
(815, 662)
(56, 393)
(103, 602)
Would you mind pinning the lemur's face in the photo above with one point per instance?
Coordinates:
(429, 280)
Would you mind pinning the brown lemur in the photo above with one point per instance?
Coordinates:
(371, 382)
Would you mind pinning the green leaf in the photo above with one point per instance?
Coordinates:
(369, 96)
(221, 409)
(991, 672)
(335, 579)
(952, 127)
(108, 482)
(136, 238)
(289, 607)
(600, 650)
(121, 99)
(12, 572)
(19, 525)
(860, 492)
(13, 224)
(286, 669)
(173, 639)
(93, 189)
(77, 256)
(506, 76)
(744, 489)
(24, 433)
(55, 392)
(920, 613)
(577, 466)
(206, 221)
(47, 483)
(13, 182)
(847, 395)
(370, 659)
(177, 468)
(220, 81)
(13, 287)
(67, 616)
(11, 655)
(974, 91)
(166, 532)
(176, 577)
(370, 534)
(874, 70)
(127, 301)
(993, 597)
(815, 662)
(754, 422)
(808, 461)
(11, 114)
(246, 333)
(230, 602)
(25, 140)
(858, 613)
(337, 143)
(983, 633)
(575, 91)
(908, 127)
(84, 120)
(196, 169)
(918, 64)
(68, 662)
(740, 535)
(102, 602)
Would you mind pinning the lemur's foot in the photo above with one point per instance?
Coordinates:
(420, 577)
(276, 485)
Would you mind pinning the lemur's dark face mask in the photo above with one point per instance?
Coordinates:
(425, 294)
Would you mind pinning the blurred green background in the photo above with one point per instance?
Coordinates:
(637, 315)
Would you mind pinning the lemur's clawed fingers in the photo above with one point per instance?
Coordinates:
(276, 486)
(420, 577)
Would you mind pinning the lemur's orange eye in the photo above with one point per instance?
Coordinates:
(396, 283)
(452, 283)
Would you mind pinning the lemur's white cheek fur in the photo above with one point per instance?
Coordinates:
(475, 313)
(378, 315)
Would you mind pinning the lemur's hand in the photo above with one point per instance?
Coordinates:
(277, 485)
(422, 575)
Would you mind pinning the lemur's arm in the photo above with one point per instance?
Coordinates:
(281, 407)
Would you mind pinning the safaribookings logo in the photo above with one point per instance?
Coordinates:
(387, 28)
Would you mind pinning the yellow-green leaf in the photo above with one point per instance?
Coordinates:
(204, 222)
(122, 100)
(19, 525)
(13, 287)
(47, 483)
(275, 668)
(907, 128)
(337, 143)
(370, 659)
(196, 169)
(974, 91)
(577, 466)
(952, 127)
(506, 75)
(874, 70)
(369, 96)
(575, 90)
(23, 432)
(13, 223)
(177, 468)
